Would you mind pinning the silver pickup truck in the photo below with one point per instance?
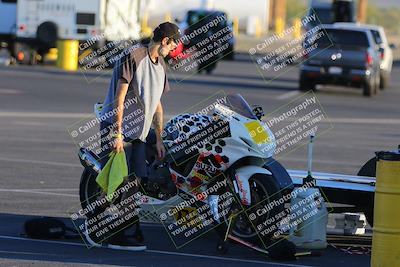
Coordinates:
(341, 56)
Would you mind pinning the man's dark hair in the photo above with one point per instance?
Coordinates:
(166, 29)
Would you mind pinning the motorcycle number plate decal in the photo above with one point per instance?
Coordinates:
(257, 132)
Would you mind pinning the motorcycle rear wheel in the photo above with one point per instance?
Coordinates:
(89, 190)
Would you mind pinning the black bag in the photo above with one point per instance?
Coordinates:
(283, 249)
(46, 228)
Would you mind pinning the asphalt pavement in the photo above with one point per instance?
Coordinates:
(40, 170)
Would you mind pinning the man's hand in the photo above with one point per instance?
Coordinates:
(160, 150)
(118, 145)
(158, 127)
(119, 107)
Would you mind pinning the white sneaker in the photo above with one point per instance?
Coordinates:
(123, 243)
(89, 239)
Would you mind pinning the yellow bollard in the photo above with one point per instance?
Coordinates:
(279, 26)
(235, 26)
(67, 58)
(297, 29)
(258, 28)
(144, 21)
(168, 17)
(146, 30)
(51, 55)
(386, 234)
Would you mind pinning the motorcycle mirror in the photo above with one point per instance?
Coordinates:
(258, 111)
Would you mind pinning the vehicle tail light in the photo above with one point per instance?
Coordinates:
(305, 55)
(312, 74)
(382, 54)
(20, 56)
(368, 59)
(22, 27)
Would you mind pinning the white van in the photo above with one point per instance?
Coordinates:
(40, 23)
(49, 20)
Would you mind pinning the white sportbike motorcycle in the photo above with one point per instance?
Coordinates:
(232, 146)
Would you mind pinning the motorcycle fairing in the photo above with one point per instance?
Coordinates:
(242, 185)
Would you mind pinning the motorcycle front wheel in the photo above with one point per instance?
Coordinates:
(264, 191)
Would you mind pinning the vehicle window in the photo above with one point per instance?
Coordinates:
(85, 18)
(343, 10)
(325, 15)
(223, 23)
(343, 38)
(377, 37)
(196, 16)
(9, 1)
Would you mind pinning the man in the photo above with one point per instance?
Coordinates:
(137, 85)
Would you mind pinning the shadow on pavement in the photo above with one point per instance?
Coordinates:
(161, 251)
(237, 85)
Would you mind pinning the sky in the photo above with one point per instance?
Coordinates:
(379, 3)
(386, 3)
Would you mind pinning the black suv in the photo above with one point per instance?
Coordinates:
(341, 56)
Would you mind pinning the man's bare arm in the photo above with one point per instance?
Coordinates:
(158, 128)
(122, 90)
(158, 121)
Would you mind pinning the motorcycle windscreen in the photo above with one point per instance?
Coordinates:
(237, 104)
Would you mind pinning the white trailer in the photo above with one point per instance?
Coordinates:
(41, 22)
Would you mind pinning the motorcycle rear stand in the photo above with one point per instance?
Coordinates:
(222, 234)
(224, 238)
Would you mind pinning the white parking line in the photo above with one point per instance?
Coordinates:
(38, 192)
(288, 95)
(7, 91)
(63, 164)
(42, 115)
(51, 189)
(35, 140)
(50, 115)
(27, 253)
(163, 252)
(29, 123)
(58, 76)
(365, 121)
(222, 258)
(321, 161)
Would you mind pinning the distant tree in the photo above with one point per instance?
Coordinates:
(386, 17)
(295, 9)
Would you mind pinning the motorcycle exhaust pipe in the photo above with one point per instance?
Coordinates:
(88, 160)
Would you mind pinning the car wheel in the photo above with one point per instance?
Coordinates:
(306, 85)
(368, 88)
(384, 83)
(230, 54)
(47, 33)
(369, 170)
(377, 83)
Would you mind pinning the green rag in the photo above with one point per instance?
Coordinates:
(113, 173)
